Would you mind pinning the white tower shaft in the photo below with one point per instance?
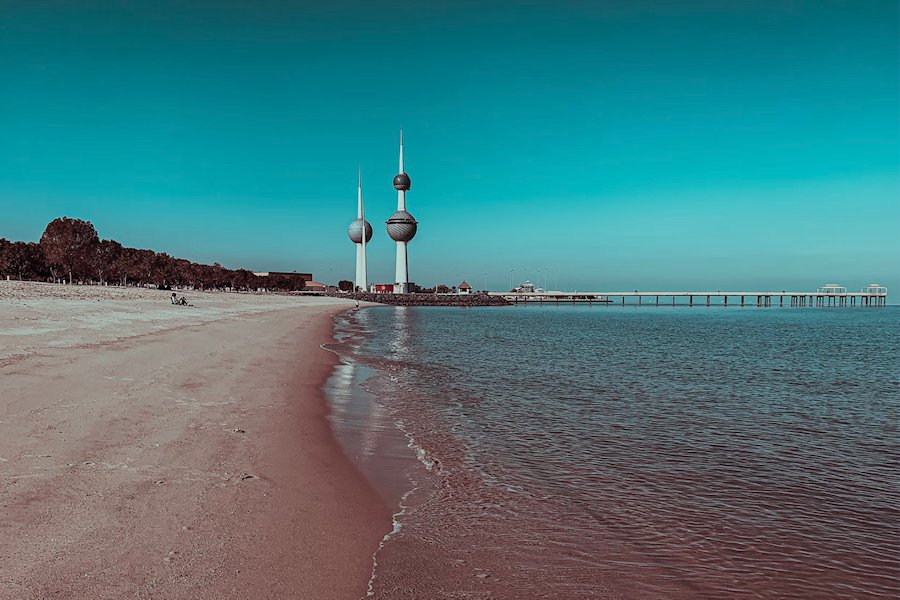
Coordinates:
(402, 270)
(361, 263)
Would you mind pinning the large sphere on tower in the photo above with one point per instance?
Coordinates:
(355, 231)
(401, 182)
(402, 226)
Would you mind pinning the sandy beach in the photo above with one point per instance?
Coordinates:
(155, 451)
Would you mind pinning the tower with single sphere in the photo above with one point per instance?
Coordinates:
(360, 232)
(402, 227)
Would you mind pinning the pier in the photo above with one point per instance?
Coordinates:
(830, 295)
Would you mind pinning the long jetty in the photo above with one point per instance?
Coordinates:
(703, 298)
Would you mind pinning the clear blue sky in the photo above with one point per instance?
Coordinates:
(631, 144)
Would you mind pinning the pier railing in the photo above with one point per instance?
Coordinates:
(819, 298)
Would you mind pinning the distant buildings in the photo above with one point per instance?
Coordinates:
(526, 287)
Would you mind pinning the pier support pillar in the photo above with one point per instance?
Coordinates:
(742, 300)
(726, 300)
(707, 300)
(691, 300)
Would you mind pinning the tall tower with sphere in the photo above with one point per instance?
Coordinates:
(402, 226)
(360, 232)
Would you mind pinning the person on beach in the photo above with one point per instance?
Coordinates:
(183, 301)
(174, 299)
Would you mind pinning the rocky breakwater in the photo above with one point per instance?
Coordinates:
(429, 299)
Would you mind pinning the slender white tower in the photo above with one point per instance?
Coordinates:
(360, 232)
(402, 226)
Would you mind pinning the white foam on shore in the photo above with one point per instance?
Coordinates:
(348, 336)
(419, 451)
(396, 527)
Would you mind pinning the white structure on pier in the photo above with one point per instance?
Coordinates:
(831, 288)
(402, 227)
(360, 232)
(874, 288)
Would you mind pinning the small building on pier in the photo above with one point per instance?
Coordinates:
(831, 288)
(874, 288)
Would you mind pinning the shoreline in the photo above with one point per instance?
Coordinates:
(371, 434)
(216, 474)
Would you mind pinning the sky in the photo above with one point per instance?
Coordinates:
(593, 145)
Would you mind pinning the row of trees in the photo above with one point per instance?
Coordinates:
(71, 250)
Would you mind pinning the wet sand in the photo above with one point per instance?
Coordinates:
(153, 451)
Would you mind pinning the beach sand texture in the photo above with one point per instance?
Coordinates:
(155, 451)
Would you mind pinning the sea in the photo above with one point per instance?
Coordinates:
(610, 452)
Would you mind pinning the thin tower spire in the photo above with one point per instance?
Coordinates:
(401, 151)
(362, 215)
(359, 200)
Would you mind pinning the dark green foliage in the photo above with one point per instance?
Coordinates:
(71, 249)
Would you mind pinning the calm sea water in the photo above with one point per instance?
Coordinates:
(628, 453)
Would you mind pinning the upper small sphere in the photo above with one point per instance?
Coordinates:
(355, 231)
(401, 182)
(402, 226)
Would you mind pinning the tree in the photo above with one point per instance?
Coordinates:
(443, 289)
(130, 265)
(68, 245)
(5, 256)
(345, 286)
(106, 259)
(22, 259)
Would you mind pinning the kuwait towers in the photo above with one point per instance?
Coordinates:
(360, 232)
(401, 227)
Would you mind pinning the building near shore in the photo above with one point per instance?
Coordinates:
(315, 286)
(383, 288)
(464, 288)
(286, 275)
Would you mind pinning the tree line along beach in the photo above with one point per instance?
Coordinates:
(70, 250)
